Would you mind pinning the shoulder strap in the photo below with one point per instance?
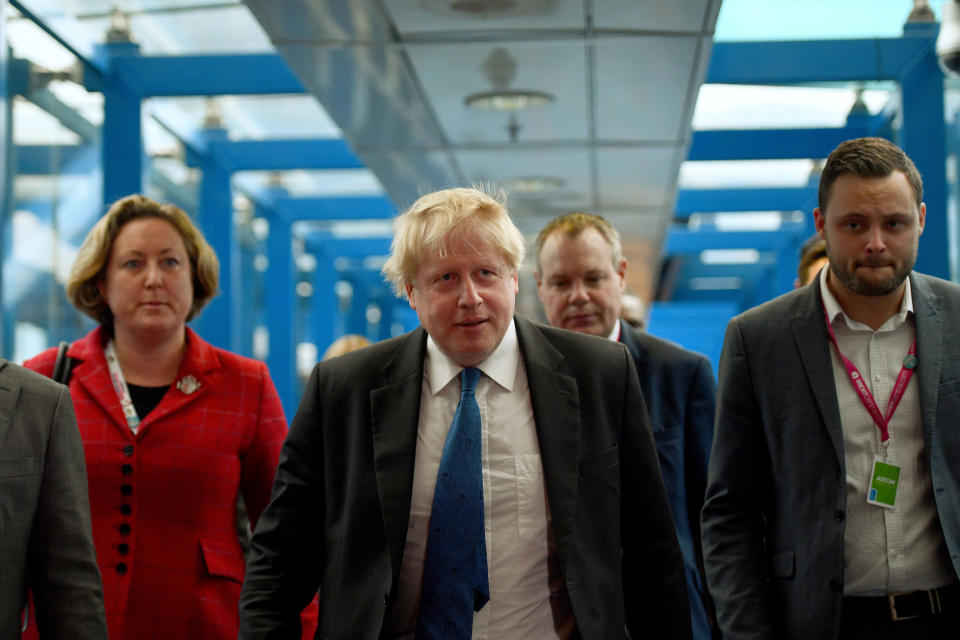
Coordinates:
(64, 364)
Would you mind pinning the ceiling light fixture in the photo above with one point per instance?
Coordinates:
(532, 184)
(500, 69)
(489, 9)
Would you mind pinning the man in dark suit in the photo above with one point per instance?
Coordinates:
(571, 537)
(833, 499)
(46, 543)
(580, 280)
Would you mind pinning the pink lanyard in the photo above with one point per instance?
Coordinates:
(903, 378)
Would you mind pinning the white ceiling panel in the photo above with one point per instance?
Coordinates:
(652, 15)
(434, 16)
(636, 178)
(643, 87)
(557, 68)
(571, 169)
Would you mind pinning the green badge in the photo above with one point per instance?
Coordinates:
(883, 484)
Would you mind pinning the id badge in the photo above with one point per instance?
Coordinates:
(883, 484)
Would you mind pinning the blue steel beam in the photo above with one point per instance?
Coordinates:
(684, 241)
(279, 304)
(45, 160)
(792, 62)
(343, 208)
(217, 322)
(745, 199)
(771, 144)
(923, 135)
(7, 311)
(281, 155)
(748, 271)
(348, 247)
(205, 75)
(122, 146)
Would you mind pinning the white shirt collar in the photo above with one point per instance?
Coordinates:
(834, 309)
(615, 334)
(500, 366)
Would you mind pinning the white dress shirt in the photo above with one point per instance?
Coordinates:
(885, 550)
(516, 517)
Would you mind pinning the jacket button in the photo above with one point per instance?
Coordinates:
(125, 509)
(121, 568)
(128, 450)
(125, 529)
(126, 489)
(123, 548)
(836, 584)
(126, 469)
(386, 598)
(838, 514)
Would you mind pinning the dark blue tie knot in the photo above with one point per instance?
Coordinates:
(469, 378)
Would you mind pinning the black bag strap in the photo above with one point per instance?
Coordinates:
(63, 367)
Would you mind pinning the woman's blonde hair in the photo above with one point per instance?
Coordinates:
(346, 344)
(88, 269)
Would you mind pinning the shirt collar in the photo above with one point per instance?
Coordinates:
(615, 334)
(500, 366)
(834, 309)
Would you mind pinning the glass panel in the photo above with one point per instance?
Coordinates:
(254, 117)
(55, 196)
(813, 19)
(722, 106)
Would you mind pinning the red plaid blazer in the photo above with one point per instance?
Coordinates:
(163, 500)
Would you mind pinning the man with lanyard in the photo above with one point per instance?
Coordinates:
(833, 497)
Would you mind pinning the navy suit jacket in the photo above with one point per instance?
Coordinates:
(773, 519)
(341, 501)
(680, 392)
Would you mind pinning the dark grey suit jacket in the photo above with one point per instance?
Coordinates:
(340, 507)
(680, 393)
(773, 519)
(45, 537)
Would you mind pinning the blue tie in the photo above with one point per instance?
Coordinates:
(455, 569)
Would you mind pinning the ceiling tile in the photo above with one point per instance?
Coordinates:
(437, 16)
(449, 73)
(642, 87)
(650, 15)
(636, 178)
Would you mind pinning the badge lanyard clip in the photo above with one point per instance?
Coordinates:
(866, 398)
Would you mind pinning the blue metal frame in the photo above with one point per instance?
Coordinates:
(745, 199)
(279, 304)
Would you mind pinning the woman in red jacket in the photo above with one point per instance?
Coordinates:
(173, 428)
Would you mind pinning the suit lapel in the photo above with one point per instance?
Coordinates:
(9, 392)
(394, 416)
(813, 344)
(635, 348)
(556, 412)
(928, 322)
(91, 373)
